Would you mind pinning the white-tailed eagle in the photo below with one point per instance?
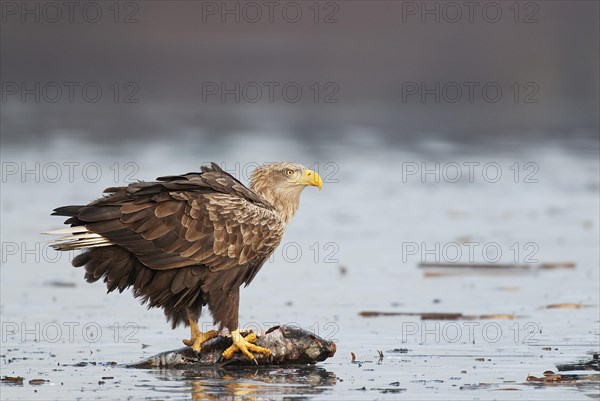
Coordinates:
(187, 241)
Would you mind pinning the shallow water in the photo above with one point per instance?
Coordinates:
(355, 246)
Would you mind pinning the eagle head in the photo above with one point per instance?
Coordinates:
(281, 184)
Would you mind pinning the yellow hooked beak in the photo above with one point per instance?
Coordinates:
(311, 178)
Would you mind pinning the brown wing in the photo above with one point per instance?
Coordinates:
(207, 219)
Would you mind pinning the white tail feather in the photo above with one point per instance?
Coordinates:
(77, 237)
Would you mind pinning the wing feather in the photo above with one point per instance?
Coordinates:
(206, 219)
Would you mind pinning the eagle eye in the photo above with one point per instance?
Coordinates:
(289, 172)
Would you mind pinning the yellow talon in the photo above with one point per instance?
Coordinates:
(197, 337)
(245, 345)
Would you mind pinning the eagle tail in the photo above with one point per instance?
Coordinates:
(77, 237)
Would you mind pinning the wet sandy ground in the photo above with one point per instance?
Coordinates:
(350, 249)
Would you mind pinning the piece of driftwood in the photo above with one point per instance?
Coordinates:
(289, 345)
(440, 315)
(590, 364)
(547, 265)
(429, 265)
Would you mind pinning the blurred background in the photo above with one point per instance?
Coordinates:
(542, 55)
(435, 125)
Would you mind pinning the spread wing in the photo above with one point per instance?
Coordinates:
(207, 219)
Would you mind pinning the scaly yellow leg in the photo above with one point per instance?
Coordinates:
(197, 337)
(245, 345)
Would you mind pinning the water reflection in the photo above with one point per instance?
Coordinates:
(262, 383)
